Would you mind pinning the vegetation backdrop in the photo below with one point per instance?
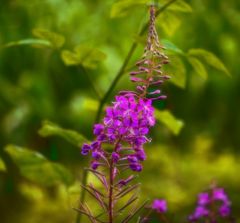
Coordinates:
(59, 58)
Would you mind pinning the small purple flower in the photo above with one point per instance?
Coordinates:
(85, 149)
(98, 129)
(140, 154)
(201, 212)
(132, 159)
(219, 194)
(203, 198)
(159, 205)
(224, 210)
(115, 157)
(123, 182)
(96, 155)
(95, 164)
(135, 167)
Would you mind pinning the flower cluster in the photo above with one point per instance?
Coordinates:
(125, 126)
(213, 204)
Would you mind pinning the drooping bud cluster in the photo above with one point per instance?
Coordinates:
(212, 205)
(125, 126)
(150, 66)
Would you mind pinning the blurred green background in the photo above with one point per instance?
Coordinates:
(57, 60)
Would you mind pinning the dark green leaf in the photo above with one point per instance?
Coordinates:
(34, 166)
(167, 118)
(198, 67)
(210, 59)
(55, 39)
(50, 129)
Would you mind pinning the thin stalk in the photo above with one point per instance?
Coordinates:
(82, 195)
(110, 202)
(125, 63)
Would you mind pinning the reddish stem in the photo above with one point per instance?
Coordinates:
(110, 207)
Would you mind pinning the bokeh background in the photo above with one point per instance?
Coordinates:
(57, 60)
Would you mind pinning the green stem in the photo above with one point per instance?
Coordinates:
(82, 195)
(125, 63)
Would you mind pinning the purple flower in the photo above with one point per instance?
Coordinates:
(127, 121)
(159, 205)
(85, 149)
(201, 212)
(203, 199)
(96, 155)
(98, 129)
(94, 164)
(115, 157)
(216, 197)
(224, 210)
(135, 167)
(219, 194)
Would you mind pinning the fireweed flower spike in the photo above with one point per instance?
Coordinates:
(118, 146)
(212, 206)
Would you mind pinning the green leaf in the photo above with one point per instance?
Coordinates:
(51, 129)
(55, 39)
(172, 123)
(177, 71)
(210, 59)
(87, 56)
(198, 67)
(32, 42)
(180, 6)
(171, 46)
(35, 167)
(2, 165)
(124, 7)
(169, 22)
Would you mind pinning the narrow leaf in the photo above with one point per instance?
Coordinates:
(100, 201)
(198, 67)
(171, 46)
(210, 59)
(166, 117)
(51, 129)
(31, 42)
(126, 190)
(34, 166)
(134, 212)
(130, 201)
